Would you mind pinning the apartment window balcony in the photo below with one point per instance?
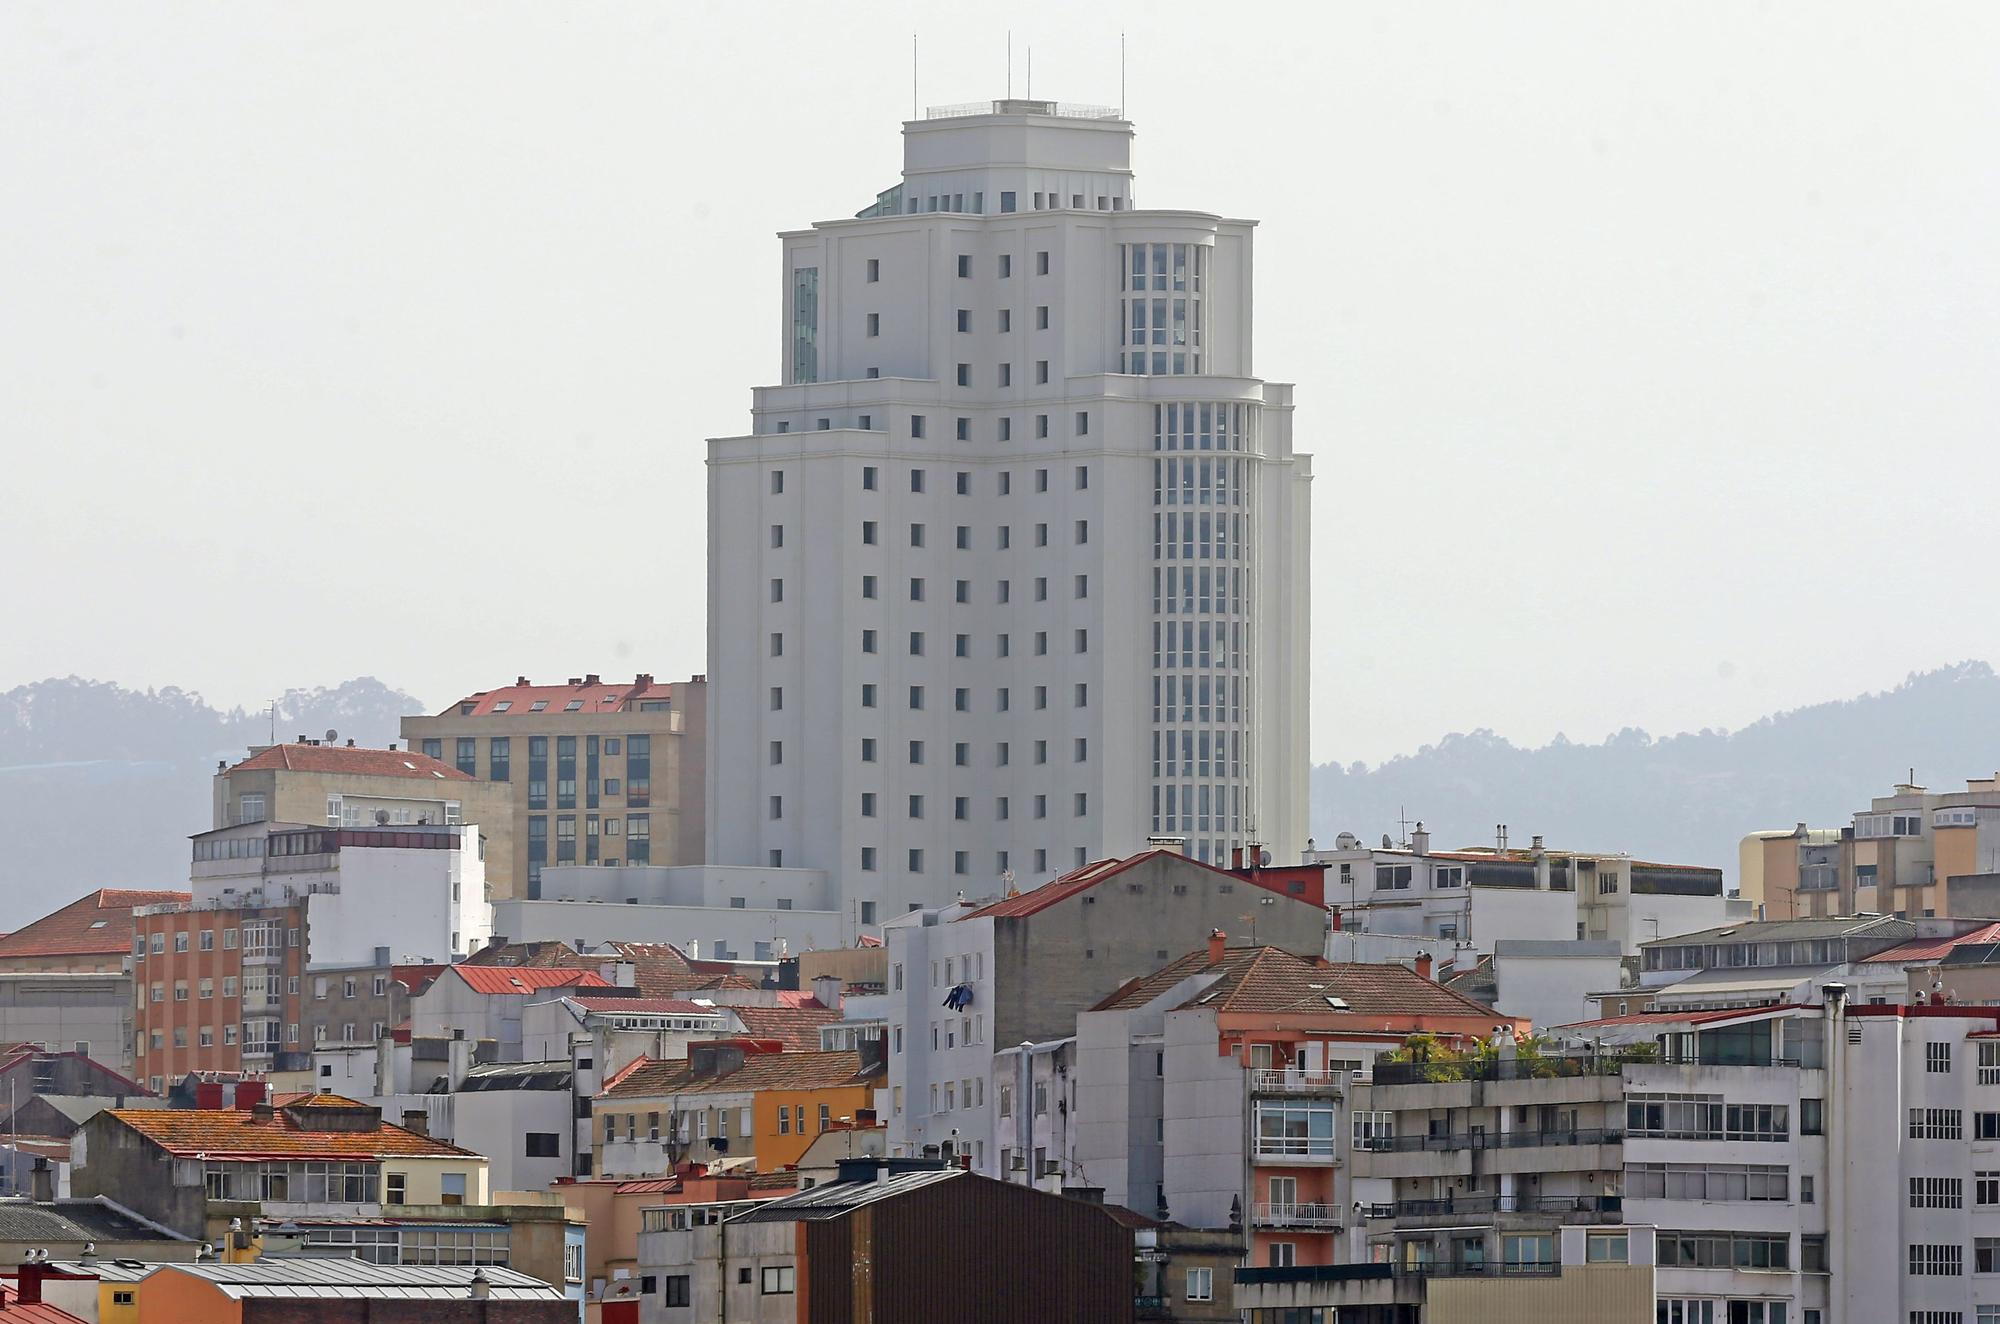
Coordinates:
(1520, 1068)
(1291, 1080)
(1460, 1206)
(1322, 1217)
(1488, 1140)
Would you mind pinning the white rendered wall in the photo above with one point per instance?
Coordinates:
(807, 752)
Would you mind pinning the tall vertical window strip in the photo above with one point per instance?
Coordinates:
(499, 758)
(590, 771)
(468, 756)
(805, 324)
(1162, 308)
(565, 772)
(538, 772)
(638, 773)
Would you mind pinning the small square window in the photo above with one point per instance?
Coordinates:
(964, 267)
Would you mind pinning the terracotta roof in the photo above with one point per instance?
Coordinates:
(595, 697)
(1085, 877)
(658, 969)
(1932, 949)
(350, 761)
(99, 924)
(722, 981)
(645, 1006)
(798, 1027)
(760, 1071)
(499, 979)
(416, 978)
(1269, 979)
(236, 1133)
(33, 1312)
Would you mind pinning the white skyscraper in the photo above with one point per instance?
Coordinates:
(1012, 571)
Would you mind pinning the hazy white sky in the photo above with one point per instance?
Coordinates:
(1647, 352)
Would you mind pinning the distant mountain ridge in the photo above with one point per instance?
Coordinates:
(1686, 799)
(101, 786)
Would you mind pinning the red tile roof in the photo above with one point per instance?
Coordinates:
(1085, 877)
(760, 1071)
(1269, 980)
(658, 968)
(797, 1027)
(350, 761)
(1918, 950)
(596, 697)
(238, 1134)
(99, 924)
(33, 1312)
(499, 979)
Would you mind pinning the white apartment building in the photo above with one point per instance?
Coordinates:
(1822, 1164)
(1482, 895)
(1011, 571)
(423, 888)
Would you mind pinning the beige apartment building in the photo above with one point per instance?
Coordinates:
(321, 784)
(597, 772)
(1913, 852)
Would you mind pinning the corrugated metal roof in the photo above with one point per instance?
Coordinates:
(311, 1277)
(842, 1197)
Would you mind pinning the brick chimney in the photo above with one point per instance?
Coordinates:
(1217, 940)
(1423, 965)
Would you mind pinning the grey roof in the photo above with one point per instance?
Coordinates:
(1795, 930)
(318, 1277)
(518, 1076)
(41, 1222)
(80, 1108)
(1579, 947)
(838, 1198)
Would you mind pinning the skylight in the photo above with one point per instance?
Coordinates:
(503, 705)
(538, 705)
(573, 705)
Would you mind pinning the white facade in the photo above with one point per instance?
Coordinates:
(941, 1063)
(996, 583)
(360, 886)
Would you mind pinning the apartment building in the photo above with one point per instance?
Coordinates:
(968, 981)
(728, 1099)
(1800, 1164)
(596, 772)
(1480, 895)
(1211, 1091)
(320, 782)
(219, 979)
(1011, 571)
(1878, 958)
(1913, 853)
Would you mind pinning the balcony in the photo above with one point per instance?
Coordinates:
(1487, 1140)
(1515, 1068)
(1562, 1208)
(1316, 1217)
(1290, 1080)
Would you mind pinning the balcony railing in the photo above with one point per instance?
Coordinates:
(1296, 1215)
(1361, 1273)
(1289, 1080)
(1459, 1205)
(1516, 1068)
(1487, 1140)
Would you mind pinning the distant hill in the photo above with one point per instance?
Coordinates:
(100, 786)
(1685, 798)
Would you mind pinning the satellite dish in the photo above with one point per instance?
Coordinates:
(381, 818)
(1264, 858)
(331, 735)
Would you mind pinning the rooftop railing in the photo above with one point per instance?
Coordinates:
(1023, 106)
(1540, 1067)
(1487, 1140)
(1290, 1080)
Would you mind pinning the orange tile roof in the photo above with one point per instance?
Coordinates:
(498, 979)
(595, 696)
(797, 1027)
(350, 761)
(99, 924)
(1270, 979)
(658, 968)
(760, 1071)
(238, 1134)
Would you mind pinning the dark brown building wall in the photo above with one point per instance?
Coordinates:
(990, 1252)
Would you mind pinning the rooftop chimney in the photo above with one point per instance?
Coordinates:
(1423, 965)
(592, 678)
(482, 1286)
(521, 681)
(1217, 940)
(417, 1121)
(42, 1181)
(1420, 840)
(262, 1113)
(1536, 841)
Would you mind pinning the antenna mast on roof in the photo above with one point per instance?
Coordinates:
(1121, 75)
(915, 113)
(1010, 64)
